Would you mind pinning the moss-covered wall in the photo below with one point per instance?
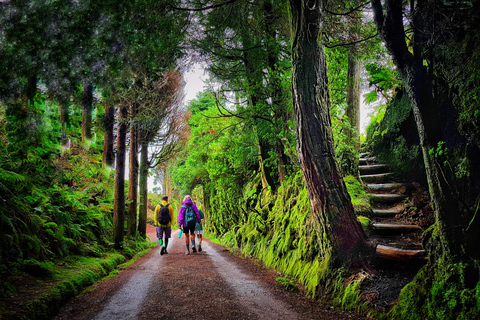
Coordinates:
(280, 231)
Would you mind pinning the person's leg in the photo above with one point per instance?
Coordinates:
(162, 247)
(159, 235)
(192, 238)
(187, 238)
(199, 242)
(168, 235)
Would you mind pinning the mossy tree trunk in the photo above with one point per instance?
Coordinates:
(142, 212)
(133, 175)
(119, 200)
(353, 108)
(87, 105)
(108, 157)
(340, 235)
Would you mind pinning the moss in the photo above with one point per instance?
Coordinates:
(360, 199)
(71, 276)
(443, 289)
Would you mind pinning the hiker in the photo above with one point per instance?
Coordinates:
(187, 218)
(163, 218)
(199, 230)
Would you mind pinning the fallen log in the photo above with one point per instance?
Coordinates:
(396, 254)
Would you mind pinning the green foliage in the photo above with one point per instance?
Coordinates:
(383, 78)
(393, 137)
(287, 283)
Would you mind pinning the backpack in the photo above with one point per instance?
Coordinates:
(190, 215)
(163, 215)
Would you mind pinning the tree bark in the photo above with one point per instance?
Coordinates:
(142, 214)
(133, 176)
(340, 234)
(87, 104)
(119, 200)
(108, 156)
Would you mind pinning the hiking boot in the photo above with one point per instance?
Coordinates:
(199, 248)
(187, 252)
(162, 251)
(194, 249)
(166, 252)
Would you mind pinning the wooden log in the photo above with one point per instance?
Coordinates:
(386, 197)
(372, 168)
(368, 160)
(394, 228)
(396, 254)
(383, 186)
(381, 177)
(386, 212)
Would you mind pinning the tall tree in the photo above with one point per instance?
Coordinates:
(249, 57)
(133, 175)
(158, 128)
(87, 105)
(108, 156)
(340, 235)
(119, 200)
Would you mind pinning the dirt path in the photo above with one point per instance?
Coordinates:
(213, 284)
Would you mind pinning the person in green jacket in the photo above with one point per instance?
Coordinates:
(199, 230)
(163, 229)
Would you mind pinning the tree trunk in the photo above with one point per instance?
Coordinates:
(133, 177)
(87, 103)
(63, 107)
(274, 83)
(108, 156)
(119, 200)
(142, 214)
(167, 183)
(353, 110)
(31, 89)
(340, 234)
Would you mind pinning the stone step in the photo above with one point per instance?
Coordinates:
(372, 168)
(397, 254)
(384, 213)
(365, 161)
(386, 198)
(383, 186)
(376, 178)
(391, 228)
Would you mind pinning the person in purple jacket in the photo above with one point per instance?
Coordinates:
(187, 219)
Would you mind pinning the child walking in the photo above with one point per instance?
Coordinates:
(199, 230)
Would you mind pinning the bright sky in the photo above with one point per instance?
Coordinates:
(194, 79)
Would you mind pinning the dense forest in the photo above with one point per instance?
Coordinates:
(91, 106)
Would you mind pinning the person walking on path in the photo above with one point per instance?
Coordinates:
(163, 218)
(187, 218)
(199, 230)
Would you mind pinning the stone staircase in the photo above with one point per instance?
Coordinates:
(395, 238)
